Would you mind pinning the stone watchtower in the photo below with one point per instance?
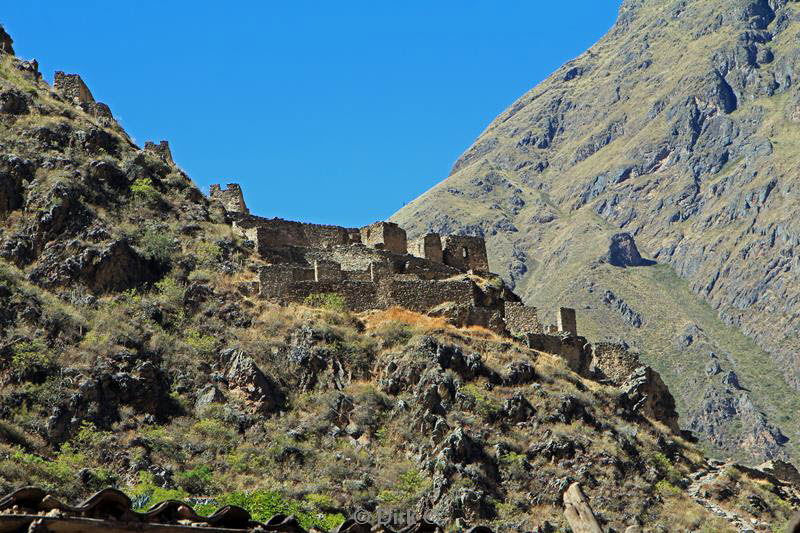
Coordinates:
(231, 198)
(385, 236)
(71, 87)
(465, 253)
(428, 247)
(566, 321)
(161, 150)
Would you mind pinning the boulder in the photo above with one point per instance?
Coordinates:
(116, 266)
(519, 373)
(208, 395)
(782, 470)
(13, 102)
(517, 409)
(578, 512)
(260, 392)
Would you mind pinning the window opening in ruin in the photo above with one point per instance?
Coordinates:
(464, 249)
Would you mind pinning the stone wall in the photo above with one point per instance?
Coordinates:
(566, 321)
(465, 253)
(275, 280)
(277, 233)
(521, 319)
(71, 87)
(231, 198)
(162, 151)
(6, 42)
(613, 361)
(574, 350)
(290, 283)
(385, 236)
(327, 271)
(421, 295)
(428, 247)
(358, 296)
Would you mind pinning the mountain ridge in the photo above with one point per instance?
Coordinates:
(679, 127)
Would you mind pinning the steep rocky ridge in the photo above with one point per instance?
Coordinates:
(679, 127)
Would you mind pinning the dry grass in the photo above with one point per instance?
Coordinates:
(423, 323)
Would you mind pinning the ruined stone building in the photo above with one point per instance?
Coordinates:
(161, 150)
(376, 267)
(6, 42)
(72, 88)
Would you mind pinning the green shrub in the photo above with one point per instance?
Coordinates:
(326, 300)
(264, 504)
(146, 493)
(665, 488)
(144, 190)
(202, 344)
(198, 480)
(31, 358)
(171, 292)
(158, 245)
(394, 332)
(207, 253)
(665, 468)
(485, 405)
(409, 485)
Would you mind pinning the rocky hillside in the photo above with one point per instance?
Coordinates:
(680, 128)
(134, 354)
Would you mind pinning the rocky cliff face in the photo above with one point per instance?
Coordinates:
(679, 127)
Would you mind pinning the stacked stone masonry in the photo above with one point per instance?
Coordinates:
(613, 361)
(161, 150)
(376, 267)
(428, 247)
(521, 319)
(465, 253)
(6, 42)
(72, 88)
(231, 197)
(385, 236)
(566, 321)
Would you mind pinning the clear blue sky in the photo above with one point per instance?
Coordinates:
(334, 112)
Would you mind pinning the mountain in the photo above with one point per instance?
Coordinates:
(679, 128)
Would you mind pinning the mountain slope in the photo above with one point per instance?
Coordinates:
(133, 353)
(680, 126)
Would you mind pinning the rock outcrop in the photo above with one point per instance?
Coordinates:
(622, 251)
(644, 392)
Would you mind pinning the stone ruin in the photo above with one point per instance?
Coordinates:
(231, 198)
(6, 42)
(72, 88)
(161, 150)
(376, 267)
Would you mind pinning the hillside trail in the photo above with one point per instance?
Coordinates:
(709, 475)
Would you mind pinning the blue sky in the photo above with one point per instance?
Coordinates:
(333, 112)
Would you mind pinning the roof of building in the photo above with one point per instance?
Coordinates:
(34, 510)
